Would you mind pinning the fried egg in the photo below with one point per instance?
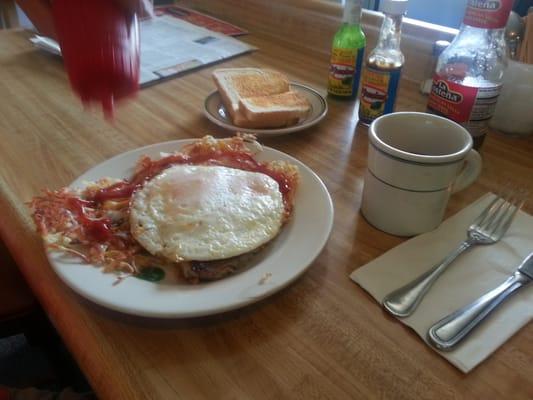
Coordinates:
(204, 213)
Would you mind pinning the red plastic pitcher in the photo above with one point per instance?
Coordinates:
(100, 46)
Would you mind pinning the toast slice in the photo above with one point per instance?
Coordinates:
(236, 83)
(273, 111)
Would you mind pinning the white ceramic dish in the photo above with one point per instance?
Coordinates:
(215, 111)
(282, 261)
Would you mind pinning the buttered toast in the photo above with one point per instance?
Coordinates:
(257, 98)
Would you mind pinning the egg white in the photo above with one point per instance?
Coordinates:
(206, 213)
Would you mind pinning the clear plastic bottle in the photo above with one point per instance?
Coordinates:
(381, 74)
(347, 53)
(469, 73)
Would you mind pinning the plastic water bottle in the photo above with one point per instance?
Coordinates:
(469, 73)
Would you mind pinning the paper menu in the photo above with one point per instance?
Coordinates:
(200, 19)
(170, 46)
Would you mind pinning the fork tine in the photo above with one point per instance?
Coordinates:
(499, 217)
(487, 209)
(491, 213)
(501, 224)
(505, 226)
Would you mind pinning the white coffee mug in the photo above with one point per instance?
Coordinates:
(415, 161)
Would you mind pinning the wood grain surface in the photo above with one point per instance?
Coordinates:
(322, 337)
(311, 24)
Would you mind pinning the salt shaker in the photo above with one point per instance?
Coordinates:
(514, 112)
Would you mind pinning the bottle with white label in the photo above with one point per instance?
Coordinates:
(469, 73)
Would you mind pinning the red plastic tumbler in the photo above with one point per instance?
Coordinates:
(100, 46)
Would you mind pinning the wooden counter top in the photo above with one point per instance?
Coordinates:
(321, 337)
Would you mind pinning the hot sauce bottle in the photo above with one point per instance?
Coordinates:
(383, 66)
(347, 53)
(468, 75)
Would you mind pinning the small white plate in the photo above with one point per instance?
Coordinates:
(273, 268)
(215, 111)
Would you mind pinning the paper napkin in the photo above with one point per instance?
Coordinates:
(474, 273)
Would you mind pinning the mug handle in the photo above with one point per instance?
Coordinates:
(470, 172)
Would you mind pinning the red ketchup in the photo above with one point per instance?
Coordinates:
(231, 159)
(97, 229)
(100, 45)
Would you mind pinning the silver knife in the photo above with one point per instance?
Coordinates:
(450, 330)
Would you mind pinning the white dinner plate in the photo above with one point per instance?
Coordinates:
(215, 111)
(274, 267)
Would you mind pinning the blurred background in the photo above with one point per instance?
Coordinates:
(442, 12)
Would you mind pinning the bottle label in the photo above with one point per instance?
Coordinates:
(345, 71)
(378, 93)
(469, 106)
(489, 14)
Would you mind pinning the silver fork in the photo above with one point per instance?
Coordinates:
(488, 228)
